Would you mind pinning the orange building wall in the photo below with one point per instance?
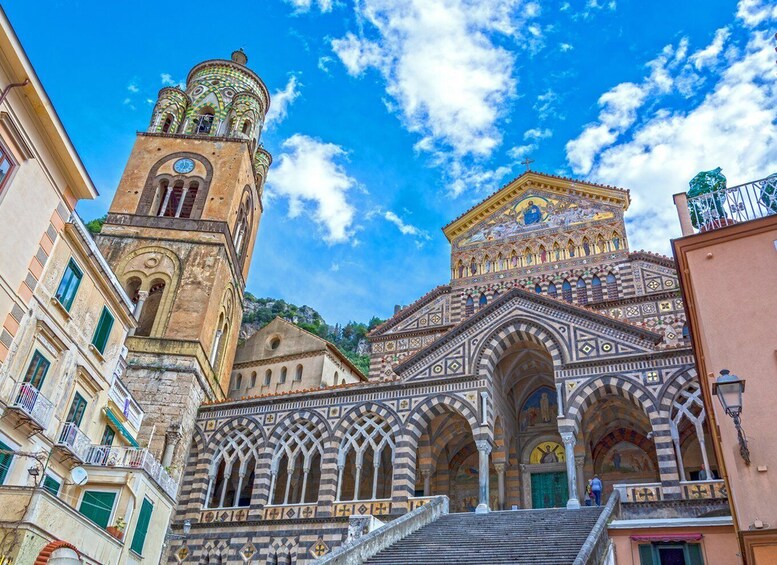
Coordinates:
(719, 544)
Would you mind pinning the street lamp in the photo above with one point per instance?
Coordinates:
(729, 388)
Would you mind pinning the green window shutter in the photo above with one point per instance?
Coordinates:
(694, 554)
(69, 284)
(51, 484)
(77, 409)
(103, 331)
(139, 537)
(5, 462)
(108, 436)
(645, 554)
(37, 370)
(97, 506)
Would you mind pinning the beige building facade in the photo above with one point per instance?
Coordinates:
(728, 273)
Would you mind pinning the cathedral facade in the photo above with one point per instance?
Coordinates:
(552, 354)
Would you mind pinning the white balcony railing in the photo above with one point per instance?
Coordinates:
(125, 401)
(29, 400)
(132, 457)
(74, 440)
(733, 205)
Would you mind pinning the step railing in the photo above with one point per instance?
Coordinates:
(376, 541)
(74, 440)
(597, 543)
(30, 401)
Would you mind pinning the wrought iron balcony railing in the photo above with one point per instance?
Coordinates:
(733, 205)
(132, 457)
(31, 403)
(74, 440)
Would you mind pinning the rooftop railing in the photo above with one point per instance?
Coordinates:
(733, 205)
(132, 457)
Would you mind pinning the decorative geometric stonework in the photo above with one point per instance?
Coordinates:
(208, 517)
(319, 549)
(334, 411)
(571, 385)
(665, 306)
(437, 369)
(607, 347)
(652, 378)
(248, 551)
(182, 554)
(210, 425)
(653, 284)
(404, 404)
(269, 419)
(454, 366)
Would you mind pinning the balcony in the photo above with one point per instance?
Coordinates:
(696, 499)
(126, 404)
(133, 458)
(31, 406)
(73, 442)
(726, 207)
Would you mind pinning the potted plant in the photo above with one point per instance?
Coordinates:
(117, 530)
(706, 198)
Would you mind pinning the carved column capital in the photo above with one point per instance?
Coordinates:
(568, 438)
(500, 467)
(483, 445)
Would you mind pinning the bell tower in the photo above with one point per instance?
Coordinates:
(179, 236)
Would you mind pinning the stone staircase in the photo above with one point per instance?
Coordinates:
(526, 537)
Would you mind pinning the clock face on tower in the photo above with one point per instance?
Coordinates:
(183, 166)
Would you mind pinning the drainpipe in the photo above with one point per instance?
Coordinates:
(8, 88)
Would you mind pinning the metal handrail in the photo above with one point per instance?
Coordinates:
(736, 204)
(133, 457)
(29, 400)
(75, 440)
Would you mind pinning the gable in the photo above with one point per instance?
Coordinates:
(430, 312)
(292, 340)
(577, 334)
(535, 212)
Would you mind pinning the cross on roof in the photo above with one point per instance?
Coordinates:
(527, 162)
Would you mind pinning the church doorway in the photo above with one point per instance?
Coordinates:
(549, 490)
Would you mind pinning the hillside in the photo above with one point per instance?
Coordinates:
(350, 338)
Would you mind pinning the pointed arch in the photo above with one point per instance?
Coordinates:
(612, 287)
(483, 300)
(582, 292)
(596, 289)
(552, 291)
(566, 291)
(422, 415)
(598, 388)
(469, 306)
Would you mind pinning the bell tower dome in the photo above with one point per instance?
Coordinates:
(180, 233)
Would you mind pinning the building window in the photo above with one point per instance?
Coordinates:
(686, 332)
(77, 409)
(670, 554)
(469, 306)
(36, 371)
(596, 289)
(68, 286)
(538, 289)
(238, 381)
(108, 436)
(267, 377)
(298, 373)
(97, 505)
(103, 331)
(253, 379)
(582, 292)
(51, 484)
(144, 519)
(167, 123)
(6, 458)
(566, 291)
(204, 122)
(7, 164)
(483, 300)
(283, 375)
(612, 287)
(552, 290)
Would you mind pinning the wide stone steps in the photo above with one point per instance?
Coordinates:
(526, 537)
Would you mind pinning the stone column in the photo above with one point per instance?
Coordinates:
(560, 400)
(569, 456)
(484, 450)
(173, 436)
(703, 447)
(180, 202)
(500, 473)
(142, 295)
(675, 434)
(427, 473)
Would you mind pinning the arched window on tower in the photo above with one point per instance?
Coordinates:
(513, 259)
(189, 198)
(570, 248)
(586, 246)
(204, 122)
(167, 124)
(238, 381)
(170, 205)
(296, 465)
(267, 377)
(469, 306)
(150, 308)
(566, 291)
(473, 267)
(495, 295)
(246, 127)
(612, 287)
(582, 292)
(616, 241)
(552, 290)
(365, 460)
(483, 300)
(596, 289)
(253, 379)
(461, 269)
(231, 477)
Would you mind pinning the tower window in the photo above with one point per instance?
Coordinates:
(283, 375)
(596, 289)
(552, 290)
(267, 377)
(246, 127)
(469, 306)
(582, 292)
(483, 300)
(612, 287)
(298, 373)
(167, 124)
(566, 291)
(204, 122)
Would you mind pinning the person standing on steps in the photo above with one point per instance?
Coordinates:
(596, 489)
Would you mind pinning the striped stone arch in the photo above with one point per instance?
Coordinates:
(509, 333)
(192, 491)
(355, 413)
(675, 384)
(422, 415)
(255, 433)
(290, 419)
(600, 388)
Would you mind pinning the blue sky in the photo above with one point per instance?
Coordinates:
(390, 118)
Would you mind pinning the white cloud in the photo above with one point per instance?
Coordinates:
(309, 175)
(546, 104)
(754, 12)
(537, 134)
(280, 102)
(132, 87)
(324, 62)
(473, 179)
(732, 127)
(709, 55)
(566, 47)
(447, 77)
(405, 228)
(168, 80)
(303, 6)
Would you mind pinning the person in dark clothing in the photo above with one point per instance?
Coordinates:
(596, 489)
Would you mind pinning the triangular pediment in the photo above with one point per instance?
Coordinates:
(534, 203)
(579, 335)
